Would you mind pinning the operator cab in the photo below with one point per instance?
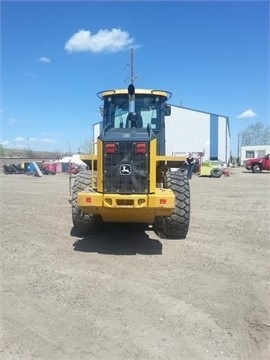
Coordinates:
(137, 115)
(149, 108)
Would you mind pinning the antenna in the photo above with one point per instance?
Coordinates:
(131, 77)
(131, 66)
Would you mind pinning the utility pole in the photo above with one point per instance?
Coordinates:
(68, 143)
(239, 140)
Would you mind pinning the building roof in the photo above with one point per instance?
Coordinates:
(205, 112)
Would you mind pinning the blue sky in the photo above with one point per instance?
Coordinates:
(212, 55)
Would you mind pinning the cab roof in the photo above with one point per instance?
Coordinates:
(105, 93)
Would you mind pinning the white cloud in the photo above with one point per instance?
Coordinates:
(104, 40)
(12, 121)
(247, 114)
(44, 59)
(4, 142)
(19, 139)
(47, 140)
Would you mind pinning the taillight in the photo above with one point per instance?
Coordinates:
(140, 148)
(110, 148)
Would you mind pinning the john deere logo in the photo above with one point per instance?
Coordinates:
(125, 169)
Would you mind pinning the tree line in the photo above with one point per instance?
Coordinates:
(256, 134)
(29, 154)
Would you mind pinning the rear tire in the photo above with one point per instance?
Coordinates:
(176, 226)
(216, 173)
(84, 224)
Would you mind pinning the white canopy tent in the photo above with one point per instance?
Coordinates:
(74, 159)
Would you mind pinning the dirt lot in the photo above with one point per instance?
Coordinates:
(127, 294)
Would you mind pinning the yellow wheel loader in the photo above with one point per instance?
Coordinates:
(129, 178)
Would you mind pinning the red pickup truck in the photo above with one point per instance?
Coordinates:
(258, 164)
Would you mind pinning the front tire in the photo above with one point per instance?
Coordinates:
(176, 226)
(256, 168)
(84, 224)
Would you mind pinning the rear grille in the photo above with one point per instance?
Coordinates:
(125, 172)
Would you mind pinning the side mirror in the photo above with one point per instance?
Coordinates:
(167, 109)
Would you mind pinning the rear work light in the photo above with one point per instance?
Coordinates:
(110, 148)
(140, 148)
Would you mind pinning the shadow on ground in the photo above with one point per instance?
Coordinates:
(259, 173)
(119, 239)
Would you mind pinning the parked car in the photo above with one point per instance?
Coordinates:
(257, 165)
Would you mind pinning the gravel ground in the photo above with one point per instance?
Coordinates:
(127, 294)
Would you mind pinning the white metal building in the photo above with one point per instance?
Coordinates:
(196, 131)
(253, 151)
